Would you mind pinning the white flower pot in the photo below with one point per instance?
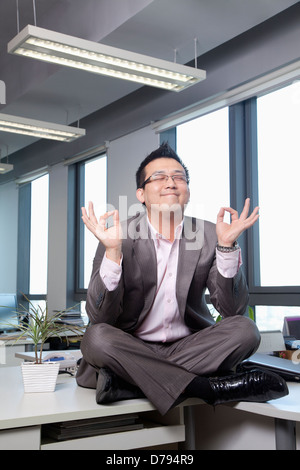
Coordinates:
(39, 377)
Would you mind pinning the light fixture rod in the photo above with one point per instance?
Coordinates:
(82, 54)
(18, 16)
(34, 12)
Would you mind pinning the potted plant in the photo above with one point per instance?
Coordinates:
(218, 318)
(37, 325)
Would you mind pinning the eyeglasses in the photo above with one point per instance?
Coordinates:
(179, 178)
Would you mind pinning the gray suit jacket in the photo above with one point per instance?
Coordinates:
(129, 303)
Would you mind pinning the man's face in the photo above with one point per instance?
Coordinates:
(162, 194)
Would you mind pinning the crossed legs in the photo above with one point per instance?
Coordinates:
(163, 371)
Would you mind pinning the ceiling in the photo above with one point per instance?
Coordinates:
(153, 27)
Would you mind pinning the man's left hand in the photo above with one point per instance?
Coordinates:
(228, 233)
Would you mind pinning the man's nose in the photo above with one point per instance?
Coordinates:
(170, 183)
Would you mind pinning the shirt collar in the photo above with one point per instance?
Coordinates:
(158, 236)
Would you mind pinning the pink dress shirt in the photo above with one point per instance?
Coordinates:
(163, 322)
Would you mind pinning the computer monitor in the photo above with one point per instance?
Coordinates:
(291, 327)
(8, 312)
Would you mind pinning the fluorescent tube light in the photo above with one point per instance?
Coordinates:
(5, 168)
(41, 129)
(50, 46)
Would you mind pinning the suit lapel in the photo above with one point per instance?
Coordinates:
(144, 251)
(189, 252)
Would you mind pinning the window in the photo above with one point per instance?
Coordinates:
(279, 189)
(32, 268)
(92, 187)
(270, 317)
(253, 151)
(39, 236)
(203, 146)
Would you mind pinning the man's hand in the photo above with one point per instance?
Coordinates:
(110, 237)
(228, 233)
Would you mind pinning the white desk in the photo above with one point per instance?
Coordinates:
(286, 414)
(251, 426)
(9, 348)
(22, 416)
(29, 356)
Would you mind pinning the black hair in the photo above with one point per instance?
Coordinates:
(164, 151)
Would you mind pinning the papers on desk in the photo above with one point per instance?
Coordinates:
(10, 336)
(66, 360)
(70, 317)
(271, 341)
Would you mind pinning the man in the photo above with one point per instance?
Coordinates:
(151, 333)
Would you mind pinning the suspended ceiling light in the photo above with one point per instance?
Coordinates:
(5, 168)
(50, 46)
(41, 129)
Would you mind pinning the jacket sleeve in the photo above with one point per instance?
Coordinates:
(229, 295)
(103, 305)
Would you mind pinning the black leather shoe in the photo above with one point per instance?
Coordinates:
(112, 388)
(256, 386)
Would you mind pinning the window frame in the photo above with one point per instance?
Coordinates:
(75, 256)
(80, 185)
(210, 208)
(23, 246)
(259, 295)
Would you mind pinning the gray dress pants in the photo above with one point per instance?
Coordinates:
(163, 370)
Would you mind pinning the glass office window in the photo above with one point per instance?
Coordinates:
(270, 317)
(203, 145)
(39, 236)
(95, 175)
(279, 190)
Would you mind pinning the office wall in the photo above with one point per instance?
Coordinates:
(8, 237)
(57, 237)
(124, 157)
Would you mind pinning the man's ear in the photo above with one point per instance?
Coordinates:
(140, 195)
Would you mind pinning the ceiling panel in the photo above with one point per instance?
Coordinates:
(151, 27)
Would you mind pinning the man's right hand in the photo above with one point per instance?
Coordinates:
(110, 237)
